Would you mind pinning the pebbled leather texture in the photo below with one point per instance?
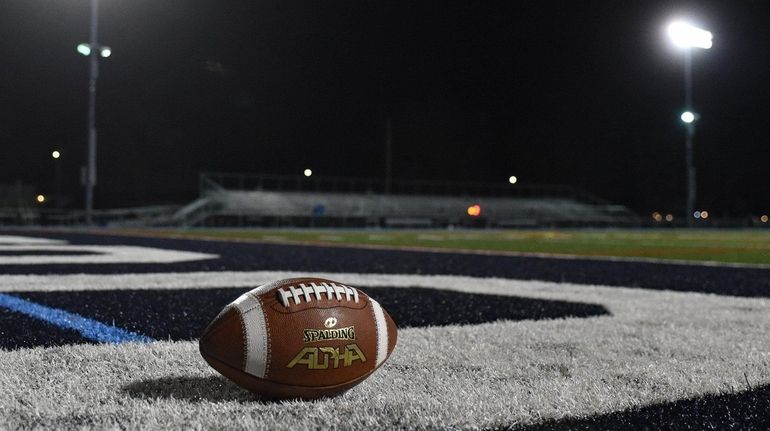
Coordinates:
(224, 338)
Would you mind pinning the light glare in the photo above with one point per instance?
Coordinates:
(512, 179)
(40, 199)
(55, 154)
(308, 172)
(685, 35)
(687, 117)
(106, 52)
(474, 210)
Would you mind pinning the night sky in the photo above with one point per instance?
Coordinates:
(580, 93)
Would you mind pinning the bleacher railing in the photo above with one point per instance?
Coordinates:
(212, 181)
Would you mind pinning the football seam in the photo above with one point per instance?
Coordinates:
(376, 334)
(267, 342)
(244, 340)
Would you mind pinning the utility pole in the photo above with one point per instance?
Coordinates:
(687, 37)
(388, 154)
(688, 143)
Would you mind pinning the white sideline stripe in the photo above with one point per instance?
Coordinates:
(382, 332)
(27, 240)
(256, 333)
(207, 280)
(104, 254)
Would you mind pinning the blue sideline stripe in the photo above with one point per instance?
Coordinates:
(88, 328)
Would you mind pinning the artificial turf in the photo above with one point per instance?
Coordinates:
(700, 245)
(626, 369)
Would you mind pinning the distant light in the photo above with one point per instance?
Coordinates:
(696, 214)
(669, 217)
(40, 199)
(84, 49)
(106, 51)
(308, 172)
(474, 210)
(704, 214)
(55, 154)
(685, 35)
(512, 179)
(688, 117)
(763, 218)
(656, 216)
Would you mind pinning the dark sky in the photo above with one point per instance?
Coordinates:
(583, 93)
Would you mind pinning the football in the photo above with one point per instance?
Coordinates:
(299, 338)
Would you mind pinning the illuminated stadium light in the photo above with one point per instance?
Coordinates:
(474, 210)
(656, 216)
(764, 218)
(40, 199)
(696, 214)
(704, 214)
(669, 217)
(106, 51)
(55, 154)
(84, 49)
(687, 117)
(512, 179)
(308, 172)
(685, 35)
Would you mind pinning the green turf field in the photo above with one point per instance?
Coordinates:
(729, 246)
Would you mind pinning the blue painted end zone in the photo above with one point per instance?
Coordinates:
(90, 329)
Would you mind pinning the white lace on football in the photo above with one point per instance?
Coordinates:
(308, 291)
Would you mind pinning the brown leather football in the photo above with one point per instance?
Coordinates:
(299, 338)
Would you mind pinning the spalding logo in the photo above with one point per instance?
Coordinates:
(318, 358)
(313, 335)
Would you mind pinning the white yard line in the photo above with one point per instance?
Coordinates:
(98, 254)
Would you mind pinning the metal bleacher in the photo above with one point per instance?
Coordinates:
(273, 200)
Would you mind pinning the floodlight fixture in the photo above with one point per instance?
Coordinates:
(308, 172)
(512, 179)
(55, 154)
(84, 49)
(40, 199)
(685, 35)
(688, 117)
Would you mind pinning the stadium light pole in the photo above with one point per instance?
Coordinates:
(92, 50)
(686, 37)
